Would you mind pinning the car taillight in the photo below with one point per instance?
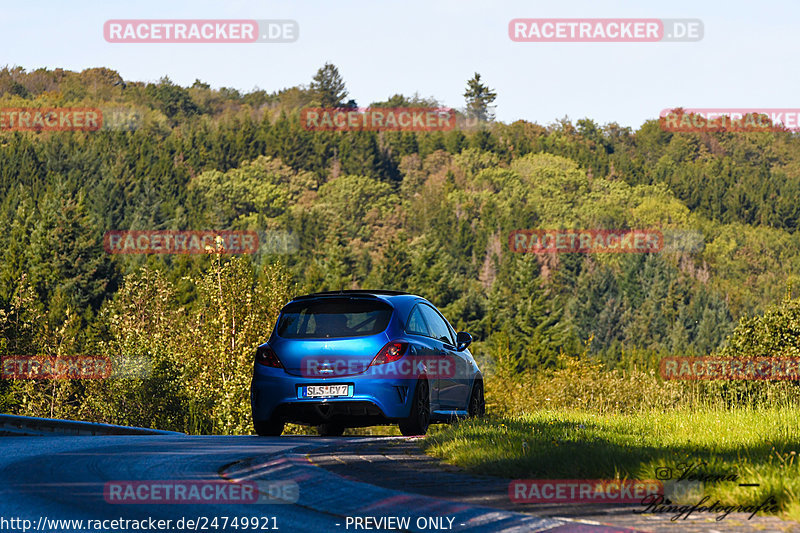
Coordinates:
(266, 356)
(390, 353)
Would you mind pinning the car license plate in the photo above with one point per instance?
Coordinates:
(326, 391)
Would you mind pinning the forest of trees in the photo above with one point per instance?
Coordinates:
(428, 213)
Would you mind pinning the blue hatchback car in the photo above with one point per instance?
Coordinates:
(362, 358)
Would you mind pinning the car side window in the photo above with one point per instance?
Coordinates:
(437, 325)
(452, 333)
(416, 324)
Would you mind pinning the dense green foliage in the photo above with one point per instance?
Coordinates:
(429, 213)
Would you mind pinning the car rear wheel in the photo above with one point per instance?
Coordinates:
(477, 403)
(420, 416)
(330, 429)
(268, 428)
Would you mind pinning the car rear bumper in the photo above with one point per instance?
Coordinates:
(274, 392)
(352, 413)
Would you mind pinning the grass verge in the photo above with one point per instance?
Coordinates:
(756, 445)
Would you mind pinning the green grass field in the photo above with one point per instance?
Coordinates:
(756, 445)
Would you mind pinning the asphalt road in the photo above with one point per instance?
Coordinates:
(43, 479)
(297, 483)
(63, 478)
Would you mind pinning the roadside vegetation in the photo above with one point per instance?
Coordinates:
(582, 421)
(749, 444)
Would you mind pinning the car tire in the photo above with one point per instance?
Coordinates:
(420, 416)
(477, 403)
(330, 429)
(268, 428)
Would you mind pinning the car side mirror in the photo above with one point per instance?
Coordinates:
(463, 340)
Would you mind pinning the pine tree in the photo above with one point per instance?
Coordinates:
(68, 265)
(328, 86)
(479, 99)
(394, 268)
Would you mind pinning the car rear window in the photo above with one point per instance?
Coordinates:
(334, 317)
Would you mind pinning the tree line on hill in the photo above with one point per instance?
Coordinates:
(425, 212)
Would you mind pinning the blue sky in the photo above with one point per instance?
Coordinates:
(748, 57)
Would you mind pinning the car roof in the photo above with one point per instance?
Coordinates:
(401, 301)
(353, 292)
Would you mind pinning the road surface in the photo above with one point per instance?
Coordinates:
(119, 483)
